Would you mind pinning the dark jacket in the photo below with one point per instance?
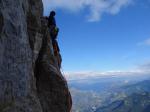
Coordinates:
(51, 21)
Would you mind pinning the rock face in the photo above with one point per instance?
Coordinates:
(30, 78)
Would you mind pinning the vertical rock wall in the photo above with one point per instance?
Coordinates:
(30, 80)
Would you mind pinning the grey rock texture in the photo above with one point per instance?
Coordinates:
(30, 78)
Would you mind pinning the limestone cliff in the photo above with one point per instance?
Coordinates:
(30, 78)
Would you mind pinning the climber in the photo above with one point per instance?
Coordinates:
(51, 19)
(52, 26)
(53, 29)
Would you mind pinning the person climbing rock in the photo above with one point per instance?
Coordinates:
(51, 19)
(53, 29)
(52, 26)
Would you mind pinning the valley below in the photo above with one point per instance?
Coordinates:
(111, 94)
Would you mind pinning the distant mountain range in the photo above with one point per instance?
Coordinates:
(136, 99)
(133, 103)
(126, 96)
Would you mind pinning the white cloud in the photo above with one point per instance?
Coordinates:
(70, 76)
(96, 7)
(140, 70)
(145, 42)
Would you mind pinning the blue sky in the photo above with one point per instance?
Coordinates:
(98, 35)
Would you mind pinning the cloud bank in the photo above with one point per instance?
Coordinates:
(141, 70)
(95, 8)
